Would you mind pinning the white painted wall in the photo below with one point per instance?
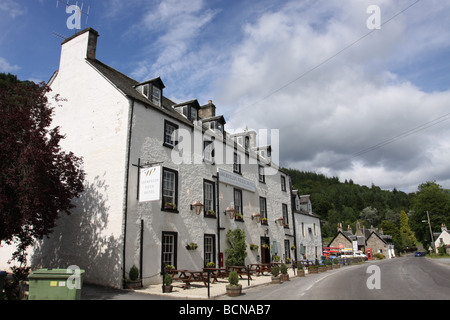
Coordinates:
(94, 117)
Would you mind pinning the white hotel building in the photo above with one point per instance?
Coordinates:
(147, 161)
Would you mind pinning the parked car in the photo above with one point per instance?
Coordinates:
(420, 254)
(360, 254)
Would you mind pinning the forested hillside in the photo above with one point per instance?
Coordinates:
(346, 202)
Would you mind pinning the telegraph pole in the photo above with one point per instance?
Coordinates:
(431, 233)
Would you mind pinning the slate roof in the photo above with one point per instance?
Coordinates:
(127, 86)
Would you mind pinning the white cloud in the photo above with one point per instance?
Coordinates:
(348, 104)
(172, 28)
(7, 67)
(12, 8)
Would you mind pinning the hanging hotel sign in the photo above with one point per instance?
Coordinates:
(149, 184)
(236, 180)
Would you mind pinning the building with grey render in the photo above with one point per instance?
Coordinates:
(160, 176)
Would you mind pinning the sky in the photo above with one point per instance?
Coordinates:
(355, 93)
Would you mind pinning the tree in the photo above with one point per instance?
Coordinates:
(432, 198)
(37, 179)
(390, 228)
(237, 250)
(408, 240)
(370, 215)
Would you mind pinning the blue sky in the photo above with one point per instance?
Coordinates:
(273, 65)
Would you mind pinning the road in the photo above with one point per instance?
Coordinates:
(405, 278)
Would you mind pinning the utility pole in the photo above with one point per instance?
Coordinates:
(431, 233)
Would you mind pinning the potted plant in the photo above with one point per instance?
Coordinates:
(276, 258)
(254, 247)
(328, 264)
(133, 282)
(167, 286)
(276, 274)
(170, 206)
(265, 246)
(168, 268)
(293, 247)
(234, 289)
(322, 268)
(210, 213)
(210, 265)
(313, 269)
(191, 246)
(239, 217)
(300, 270)
(284, 272)
(264, 221)
(336, 264)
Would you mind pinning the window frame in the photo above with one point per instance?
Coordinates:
(236, 163)
(285, 213)
(283, 183)
(211, 183)
(175, 196)
(240, 211)
(263, 213)
(174, 236)
(174, 142)
(213, 248)
(261, 176)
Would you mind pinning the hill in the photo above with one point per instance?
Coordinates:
(346, 202)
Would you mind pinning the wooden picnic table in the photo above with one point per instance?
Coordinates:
(241, 271)
(188, 276)
(216, 273)
(260, 268)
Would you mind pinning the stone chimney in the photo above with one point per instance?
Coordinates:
(359, 232)
(78, 47)
(349, 229)
(339, 227)
(207, 111)
(443, 227)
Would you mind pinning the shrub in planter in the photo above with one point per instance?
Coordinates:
(322, 268)
(234, 289)
(284, 272)
(134, 273)
(336, 264)
(313, 269)
(328, 264)
(133, 281)
(167, 287)
(276, 274)
(300, 270)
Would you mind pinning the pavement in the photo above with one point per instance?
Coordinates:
(154, 292)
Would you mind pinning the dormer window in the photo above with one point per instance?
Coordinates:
(152, 90)
(216, 124)
(188, 109)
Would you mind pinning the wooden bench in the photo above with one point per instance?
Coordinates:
(260, 268)
(241, 271)
(188, 276)
(216, 273)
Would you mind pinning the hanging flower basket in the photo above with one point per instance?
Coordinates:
(257, 217)
(192, 246)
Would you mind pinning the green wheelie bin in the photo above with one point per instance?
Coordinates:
(55, 284)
